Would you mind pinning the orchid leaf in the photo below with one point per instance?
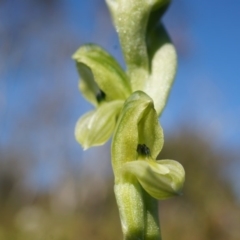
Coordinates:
(95, 127)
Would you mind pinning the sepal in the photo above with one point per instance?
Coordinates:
(163, 67)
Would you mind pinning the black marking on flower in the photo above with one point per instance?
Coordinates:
(143, 150)
(100, 96)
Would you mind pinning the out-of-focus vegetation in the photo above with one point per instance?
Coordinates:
(86, 208)
(209, 209)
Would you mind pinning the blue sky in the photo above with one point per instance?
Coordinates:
(207, 83)
(36, 71)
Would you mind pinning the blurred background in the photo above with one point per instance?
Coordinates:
(49, 188)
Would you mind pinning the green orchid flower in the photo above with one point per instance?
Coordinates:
(139, 178)
(106, 86)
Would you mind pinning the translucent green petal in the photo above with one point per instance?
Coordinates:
(87, 85)
(131, 20)
(161, 179)
(163, 68)
(96, 127)
(99, 70)
(137, 124)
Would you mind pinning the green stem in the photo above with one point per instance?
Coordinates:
(131, 209)
(138, 212)
(152, 227)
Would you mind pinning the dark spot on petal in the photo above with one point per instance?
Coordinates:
(143, 150)
(100, 96)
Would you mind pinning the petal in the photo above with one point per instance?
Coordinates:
(96, 127)
(99, 70)
(87, 85)
(161, 179)
(137, 124)
(163, 68)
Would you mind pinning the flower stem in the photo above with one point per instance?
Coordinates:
(152, 227)
(131, 209)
